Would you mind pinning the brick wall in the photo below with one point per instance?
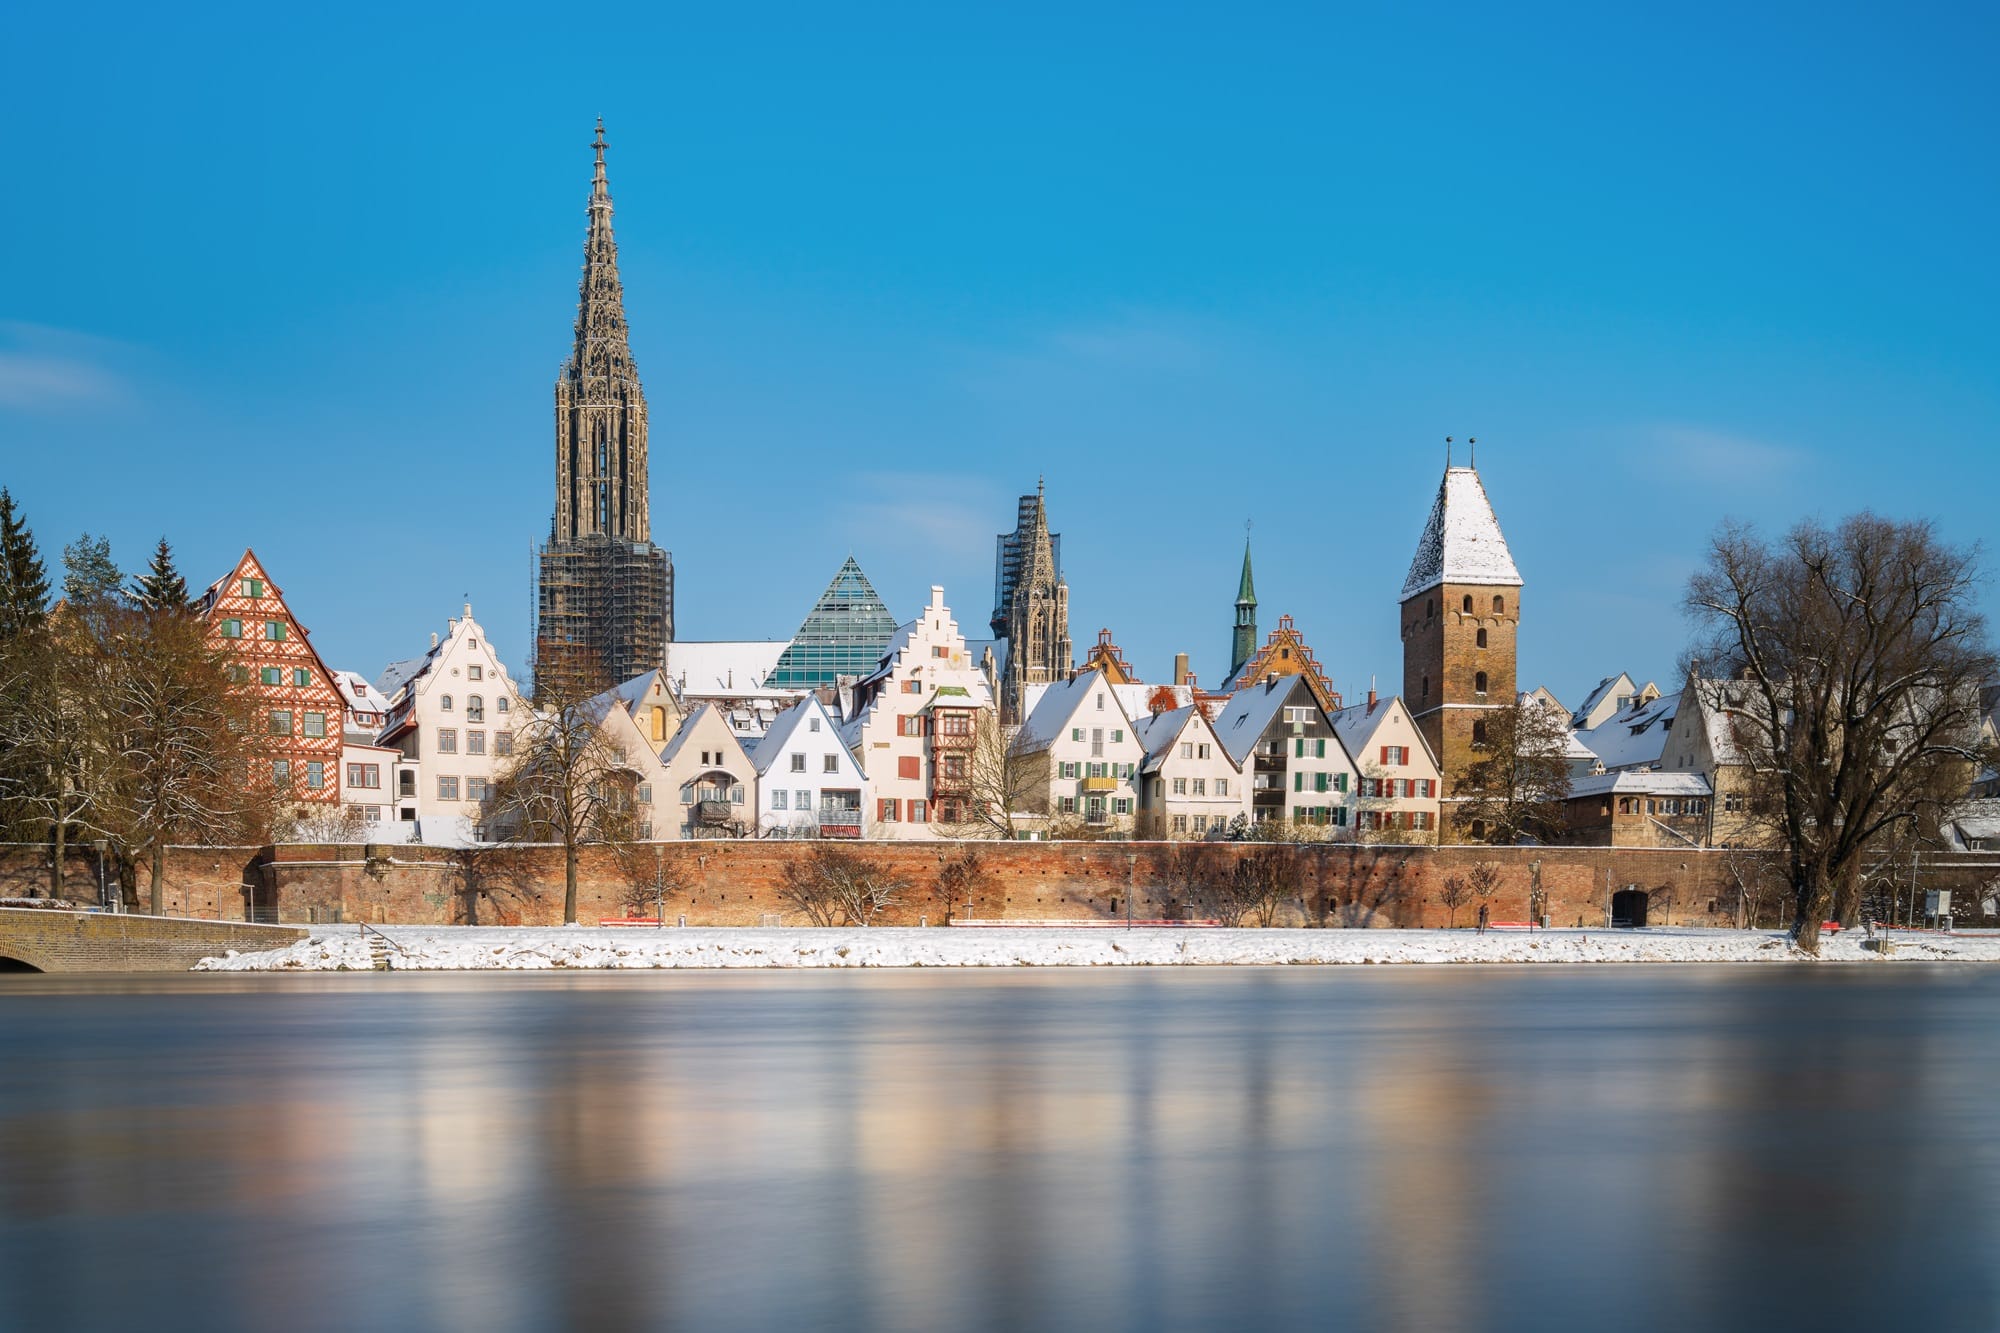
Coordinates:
(99, 942)
(736, 883)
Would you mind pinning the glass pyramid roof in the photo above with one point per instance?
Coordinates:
(845, 634)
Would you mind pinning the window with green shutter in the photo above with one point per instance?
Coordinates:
(1340, 782)
(274, 630)
(253, 587)
(1319, 749)
(1117, 737)
(1076, 733)
(1298, 782)
(301, 677)
(1299, 748)
(272, 675)
(232, 629)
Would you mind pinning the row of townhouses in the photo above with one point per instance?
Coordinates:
(860, 727)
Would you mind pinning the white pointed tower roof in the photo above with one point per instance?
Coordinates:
(1462, 542)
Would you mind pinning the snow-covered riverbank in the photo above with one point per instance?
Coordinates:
(339, 948)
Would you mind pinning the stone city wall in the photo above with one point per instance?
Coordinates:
(723, 883)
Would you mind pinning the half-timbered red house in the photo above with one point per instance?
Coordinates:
(300, 707)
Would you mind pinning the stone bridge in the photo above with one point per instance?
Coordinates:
(45, 940)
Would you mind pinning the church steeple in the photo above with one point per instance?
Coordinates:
(1039, 650)
(601, 482)
(1243, 642)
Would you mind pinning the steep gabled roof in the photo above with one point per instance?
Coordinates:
(1358, 725)
(1251, 709)
(1060, 703)
(1462, 541)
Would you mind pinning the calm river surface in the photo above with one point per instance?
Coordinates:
(1398, 1148)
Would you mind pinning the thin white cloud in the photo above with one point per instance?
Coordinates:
(48, 369)
(950, 516)
(1706, 456)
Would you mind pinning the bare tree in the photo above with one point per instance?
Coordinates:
(958, 879)
(1514, 785)
(1483, 878)
(1454, 893)
(1005, 781)
(567, 782)
(57, 736)
(838, 886)
(1848, 661)
(1249, 884)
(648, 879)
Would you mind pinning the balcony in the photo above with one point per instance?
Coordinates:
(1100, 784)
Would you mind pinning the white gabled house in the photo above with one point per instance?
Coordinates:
(1087, 753)
(809, 784)
(1189, 784)
(1397, 792)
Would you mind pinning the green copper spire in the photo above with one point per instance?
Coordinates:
(1243, 643)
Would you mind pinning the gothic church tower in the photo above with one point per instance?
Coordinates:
(1037, 606)
(1461, 616)
(1243, 641)
(604, 599)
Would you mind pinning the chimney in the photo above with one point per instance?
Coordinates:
(1180, 668)
(937, 597)
(434, 639)
(1371, 698)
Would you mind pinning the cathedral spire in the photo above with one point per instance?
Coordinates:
(603, 342)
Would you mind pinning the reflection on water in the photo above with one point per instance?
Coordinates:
(1610, 1148)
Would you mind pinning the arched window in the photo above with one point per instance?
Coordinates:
(475, 708)
(1479, 682)
(1479, 639)
(1468, 603)
(1499, 604)
(1624, 805)
(1479, 735)
(659, 723)
(445, 703)
(503, 703)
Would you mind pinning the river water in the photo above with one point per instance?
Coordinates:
(1399, 1148)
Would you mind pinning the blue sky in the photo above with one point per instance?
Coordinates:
(302, 281)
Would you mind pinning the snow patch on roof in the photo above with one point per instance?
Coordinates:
(1462, 541)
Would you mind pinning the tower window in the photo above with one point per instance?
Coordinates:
(1425, 693)
(1430, 607)
(1479, 682)
(1479, 735)
(1468, 603)
(1499, 605)
(1480, 638)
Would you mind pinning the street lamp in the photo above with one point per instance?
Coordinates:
(102, 899)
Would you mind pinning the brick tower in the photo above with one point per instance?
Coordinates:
(1461, 616)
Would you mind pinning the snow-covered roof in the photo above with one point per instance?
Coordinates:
(1977, 821)
(447, 831)
(1634, 737)
(1158, 732)
(1357, 724)
(1058, 704)
(1640, 782)
(767, 749)
(398, 674)
(1580, 715)
(1462, 541)
(703, 668)
(1249, 712)
(358, 694)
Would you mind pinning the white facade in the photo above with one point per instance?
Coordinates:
(1089, 755)
(452, 714)
(1189, 785)
(367, 770)
(909, 715)
(808, 782)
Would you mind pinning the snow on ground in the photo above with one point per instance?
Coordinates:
(337, 948)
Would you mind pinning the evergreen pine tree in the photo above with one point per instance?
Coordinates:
(90, 577)
(161, 587)
(24, 584)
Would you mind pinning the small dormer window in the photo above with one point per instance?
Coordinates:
(444, 702)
